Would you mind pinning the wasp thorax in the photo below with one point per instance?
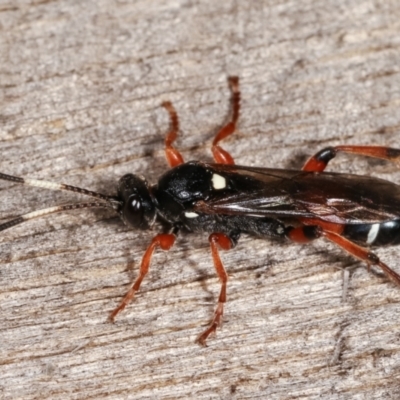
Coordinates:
(138, 208)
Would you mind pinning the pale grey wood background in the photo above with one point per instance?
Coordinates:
(81, 84)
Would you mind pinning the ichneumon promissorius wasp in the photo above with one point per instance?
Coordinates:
(226, 200)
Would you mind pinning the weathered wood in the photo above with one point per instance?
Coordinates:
(81, 87)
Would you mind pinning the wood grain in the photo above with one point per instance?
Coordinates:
(81, 88)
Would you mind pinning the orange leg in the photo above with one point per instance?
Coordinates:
(225, 243)
(174, 158)
(165, 241)
(319, 161)
(303, 234)
(316, 228)
(331, 231)
(221, 156)
(362, 254)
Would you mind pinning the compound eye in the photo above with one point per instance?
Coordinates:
(138, 209)
(134, 211)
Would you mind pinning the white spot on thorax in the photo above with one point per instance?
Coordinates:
(218, 181)
(190, 214)
(373, 233)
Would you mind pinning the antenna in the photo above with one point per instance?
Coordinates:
(106, 201)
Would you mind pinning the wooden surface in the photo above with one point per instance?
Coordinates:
(81, 87)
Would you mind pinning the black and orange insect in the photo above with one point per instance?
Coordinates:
(226, 200)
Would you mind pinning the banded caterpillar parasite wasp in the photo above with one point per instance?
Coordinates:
(221, 198)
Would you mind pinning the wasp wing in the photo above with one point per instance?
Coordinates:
(331, 197)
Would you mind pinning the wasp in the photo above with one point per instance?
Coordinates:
(226, 200)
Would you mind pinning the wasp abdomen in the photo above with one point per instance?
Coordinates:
(379, 234)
